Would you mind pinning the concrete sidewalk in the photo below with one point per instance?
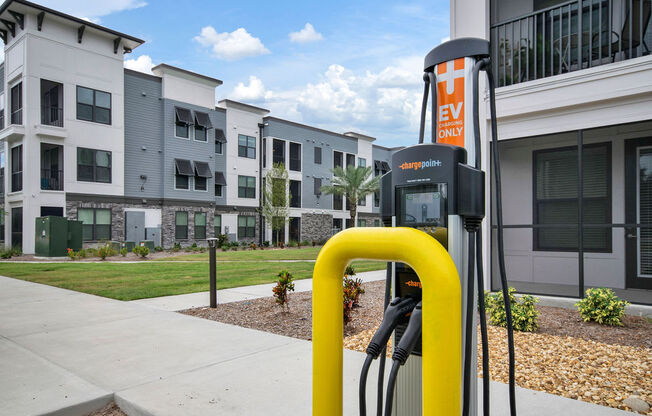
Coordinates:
(200, 299)
(65, 353)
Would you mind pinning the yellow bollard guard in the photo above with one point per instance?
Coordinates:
(442, 320)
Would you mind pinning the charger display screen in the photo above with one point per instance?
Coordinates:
(422, 205)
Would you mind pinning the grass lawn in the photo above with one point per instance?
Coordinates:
(307, 253)
(129, 281)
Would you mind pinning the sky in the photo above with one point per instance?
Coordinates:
(338, 65)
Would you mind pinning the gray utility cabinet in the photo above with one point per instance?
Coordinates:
(135, 225)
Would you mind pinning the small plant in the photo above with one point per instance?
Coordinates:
(194, 245)
(281, 244)
(158, 249)
(176, 247)
(243, 244)
(305, 243)
(266, 243)
(88, 252)
(222, 239)
(84, 252)
(352, 290)
(524, 313)
(106, 251)
(292, 243)
(252, 246)
(124, 251)
(234, 248)
(283, 285)
(70, 252)
(299, 244)
(314, 243)
(602, 306)
(141, 251)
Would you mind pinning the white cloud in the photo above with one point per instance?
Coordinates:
(306, 35)
(253, 92)
(231, 46)
(143, 64)
(93, 10)
(386, 103)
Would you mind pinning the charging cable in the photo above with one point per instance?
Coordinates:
(397, 310)
(402, 352)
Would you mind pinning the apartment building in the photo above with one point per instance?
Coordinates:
(149, 157)
(574, 103)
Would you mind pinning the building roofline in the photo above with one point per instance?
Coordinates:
(8, 3)
(305, 126)
(253, 107)
(141, 74)
(359, 135)
(185, 71)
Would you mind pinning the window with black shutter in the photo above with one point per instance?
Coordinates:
(278, 151)
(556, 198)
(338, 159)
(295, 157)
(317, 155)
(295, 194)
(317, 186)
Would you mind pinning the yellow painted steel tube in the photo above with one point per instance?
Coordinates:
(442, 320)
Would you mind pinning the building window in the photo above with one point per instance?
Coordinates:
(182, 122)
(217, 225)
(93, 105)
(278, 151)
(376, 199)
(93, 165)
(317, 186)
(2, 178)
(17, 104)
(200, 225)
(218, 190)
(181, 181)
(350, 160)
(362, 222)
(295, 194)
(362, 162)
(202, 173)
(264, 152)
(376, 223)
(202, 125)
(246, 226)
(337, 201)
(2, 111)
(181, 225)
(362, 201)
(337, 225)
(317, 155)
(246, 187)
(218, 147)
(17, 168)
(96, 223)
(338, 159)
(246, 146)
(556, 198)
(295, 157)
(294, 228)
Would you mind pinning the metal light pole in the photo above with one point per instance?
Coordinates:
(212, 248)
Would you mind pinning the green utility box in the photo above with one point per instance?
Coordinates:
(149, 244)
(115, 245)
(51, 237)
(129, 245)
(75, 235)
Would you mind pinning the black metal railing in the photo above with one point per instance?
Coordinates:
(16, 181)
(52, 116)
(52, 179)
(570, 36)
(17, 116)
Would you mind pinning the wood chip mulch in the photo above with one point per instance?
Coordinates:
(110, 409)
(566, 356)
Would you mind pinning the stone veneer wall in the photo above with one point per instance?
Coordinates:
(316, 227)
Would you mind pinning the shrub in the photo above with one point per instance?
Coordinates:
(234, 248)
(292, 243)
(158, 249)
(222, 239)
(106, 251)
(352, 290)
(314, 243)
(88, 252)
(141, 251)
(225, 248)
(283, 285)
(124, 251)
(252, 246)
(266, 243)
(299, 244)
(177, 247)
(602, 306)
(6, 254)
(70, 252)
(305, 243)
(243, 244)
(524, 313)
(349, 271)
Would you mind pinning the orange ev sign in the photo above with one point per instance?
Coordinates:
(450, 102)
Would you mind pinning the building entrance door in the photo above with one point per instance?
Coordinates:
(638, 210)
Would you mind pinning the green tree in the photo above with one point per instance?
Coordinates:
(276, 201)
(354, 183)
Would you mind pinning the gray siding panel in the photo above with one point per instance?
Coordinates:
(309, 139)
(143, 136)
(219, 121)
(384, 155)
(2, 78)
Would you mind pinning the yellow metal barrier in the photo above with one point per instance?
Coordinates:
(442, 321)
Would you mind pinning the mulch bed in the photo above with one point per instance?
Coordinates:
(110, 409)
(566, 356)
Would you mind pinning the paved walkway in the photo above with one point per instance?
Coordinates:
(66, 353)
(196, 300)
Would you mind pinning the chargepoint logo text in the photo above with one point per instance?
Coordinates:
(423, 164)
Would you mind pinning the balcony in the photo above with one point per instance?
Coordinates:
(51, 167)
(51, 180)
(17, 117)
(567, 37)
(51, 116)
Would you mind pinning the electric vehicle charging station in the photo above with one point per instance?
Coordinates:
(438, 189)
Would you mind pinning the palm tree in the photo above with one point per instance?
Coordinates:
(353, 182)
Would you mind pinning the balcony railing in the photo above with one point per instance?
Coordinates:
(52, 116)
(52, 180)
(17, 116)
(568, 37)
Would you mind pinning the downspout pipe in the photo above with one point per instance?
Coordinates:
(261, 152)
